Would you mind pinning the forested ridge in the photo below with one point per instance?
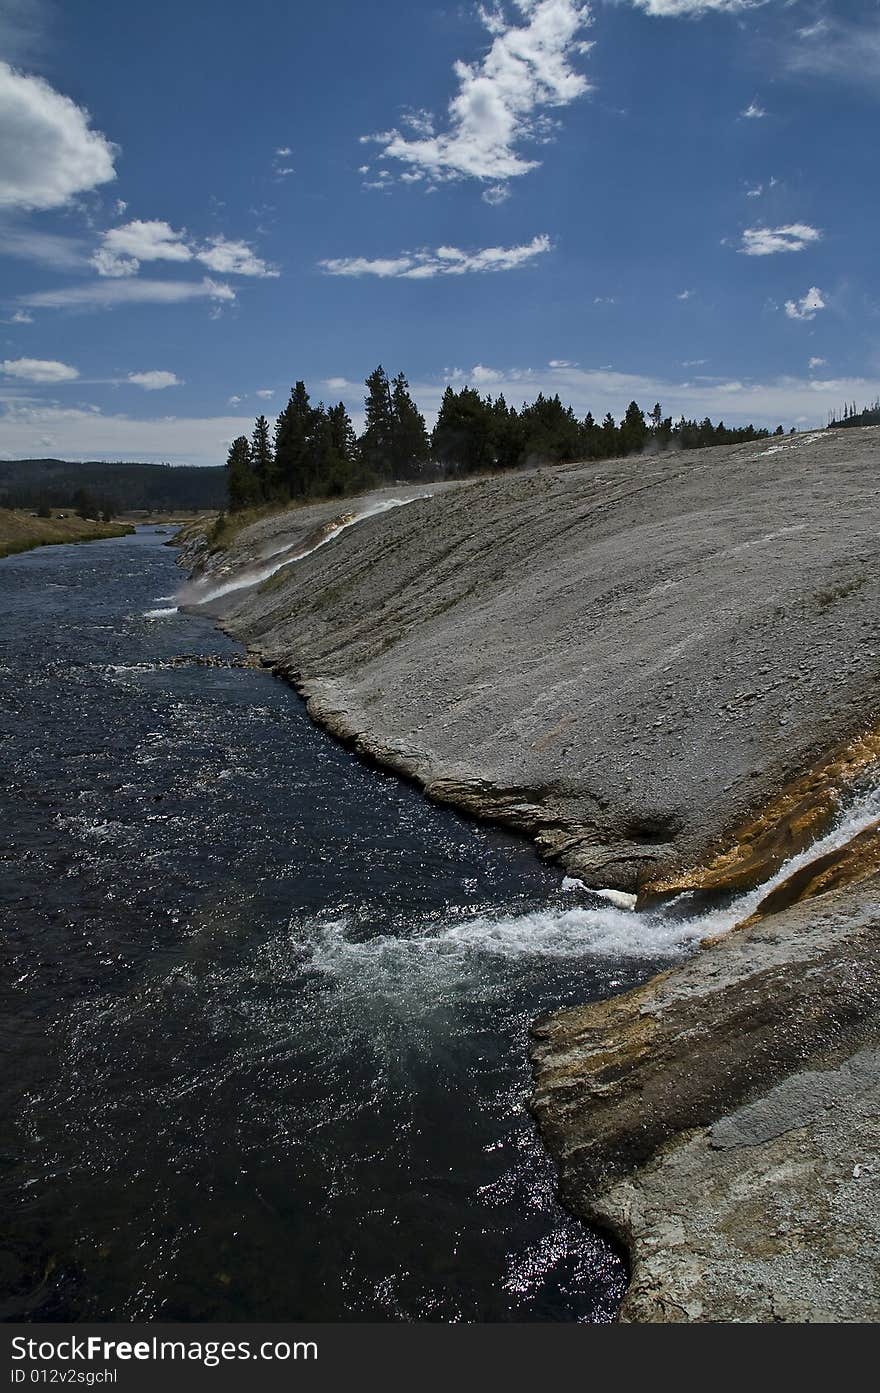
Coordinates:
(314, 451)
(868, 416)
(110, 488)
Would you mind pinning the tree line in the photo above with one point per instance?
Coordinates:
(314, 451)
(868, 416)
(110, 487)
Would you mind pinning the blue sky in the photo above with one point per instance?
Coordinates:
(201, 202)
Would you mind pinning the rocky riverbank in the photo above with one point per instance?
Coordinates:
(635, 662)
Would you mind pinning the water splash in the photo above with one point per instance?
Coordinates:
(452, 958)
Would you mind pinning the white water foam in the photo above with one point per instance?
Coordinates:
(160, 613)
(390, 963)
(203, 593)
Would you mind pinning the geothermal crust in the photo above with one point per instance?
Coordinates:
(632, 661)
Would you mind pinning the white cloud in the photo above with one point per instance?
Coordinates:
(561, 363)
(86, 433)
(124, 248)
(22, 317)
(755, 192)
(807, 307)
(265, 392)
(283, 151)
(482, 375)
(501, 102)
(104, 294)
(837, 48)
(235, 401)
(684, 295)
(818, 363)
(44, 370)
(339, 384)
(48, 150)
(604, 300)
(155, 381)
(231, 258)
(443, 261)
(674, 9)
(45, 248)
(766, 241)
(753, 112)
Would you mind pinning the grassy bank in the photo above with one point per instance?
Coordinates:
(19, 531)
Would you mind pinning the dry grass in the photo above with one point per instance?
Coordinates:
(19, 531)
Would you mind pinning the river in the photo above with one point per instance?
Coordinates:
(265, 1009)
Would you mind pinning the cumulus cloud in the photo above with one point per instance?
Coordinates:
(807, 307)
(818, 363)
(155, 381)
(231, 258)
(443, 261)
(235, 401)
(123, 249)
(265, 392)
(753, 112)
(767, 241)
(43, 370)
(502, 102)
(684, 295)
(105, 294)
(49, 152)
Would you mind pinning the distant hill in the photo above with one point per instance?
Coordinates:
(120, 487)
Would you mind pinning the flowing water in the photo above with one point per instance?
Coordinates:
(265, 1008)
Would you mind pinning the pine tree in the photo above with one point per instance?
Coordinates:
(610, 437)
(292, 432)
(411, 448)
(507, 434)
(241, 482)
(263, 459)
(336, 453)
(633, 430)
(466, 436)
(377, 441)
